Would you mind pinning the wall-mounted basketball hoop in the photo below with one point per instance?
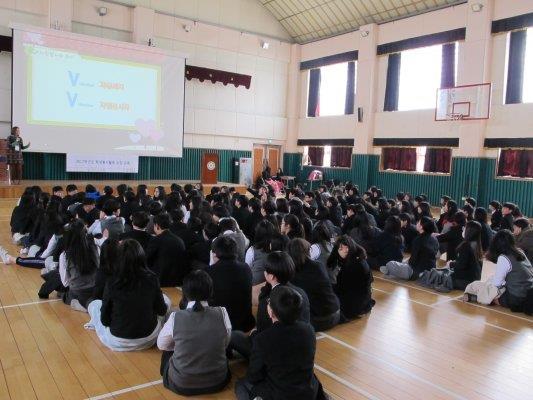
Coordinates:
(468, 102)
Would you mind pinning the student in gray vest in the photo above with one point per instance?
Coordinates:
(256, 254)
(322, 246)
(194, 342)
(228, 227)
(109, 221)
(513, 270)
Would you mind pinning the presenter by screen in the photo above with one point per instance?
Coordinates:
(14, 155)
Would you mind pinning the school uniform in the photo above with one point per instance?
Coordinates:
(140, 236)
(385, 247)
(466, 267)
(354, 288)
(166, 257)
(450, 240)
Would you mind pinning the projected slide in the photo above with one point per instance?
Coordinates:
(73, 93)
(76, 90)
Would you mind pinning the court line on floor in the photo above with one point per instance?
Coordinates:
(29, 304)
(436, 293)
(455, 313)
(437, 303)
(125, 390)
(396, 367)
(349, 385)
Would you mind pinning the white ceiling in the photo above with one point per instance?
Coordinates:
(308, 20)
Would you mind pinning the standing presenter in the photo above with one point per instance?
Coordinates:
(14, 155)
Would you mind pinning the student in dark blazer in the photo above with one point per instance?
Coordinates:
(312, 277)
(282, 359)
(181, 230)
(130, 206)
(87, 211)
(409, 231)
(453, 238)
(232, 283)
(388, 245)
(507, 221)
(166, 254)
(467, 265)
(139, 221)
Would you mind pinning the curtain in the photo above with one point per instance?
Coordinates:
(313, 102)
(341, 157)
(447, 78)
(516, 163)
(316, 155)
(515, 72)
(399, 158)
(392, 91)
(350, 89)
(438, 160)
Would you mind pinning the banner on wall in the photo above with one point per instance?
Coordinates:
(78, 162)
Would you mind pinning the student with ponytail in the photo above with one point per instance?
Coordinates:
(194, 341)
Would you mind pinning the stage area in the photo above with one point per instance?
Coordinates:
(15, 191)
(416, 344)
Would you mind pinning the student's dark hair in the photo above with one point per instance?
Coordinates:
(471, 201)
(227, 224)
(321, 233)
(310, 194)
(517, 213)
(197, 287)
(110, 206)
(468, 210)
(162, 192)
(425, 208)
(278, 242)
(27, 201)
(459, 218)
(393, 226)
(481, 215)
(221, 211)
(299, 251)
(406, 207)
(195, 224)
(211, 230)
(90, 189)
(282, 205)
(132, 264)
(522, 223)
(269, 206)
(155, 208)
(130, 196)
(57, 189)
(286, 304)
(109, 255)
(400, 196)
(121, 189)
(274, 220)
(280, 264)
(264, 231)
(80, 248)
(445, 198)
(224, 247)
(177, 215)
(108, 190)
(297, 229)
(80, 197)
(255, 205)
(473, 234)
(87, 201)
(162, 220)
(503, 243)
(452, 207)
(356, 253)
(140, 219)
(188, 187)
(428, 225)
(496, 205)
(510, 206)
(333, 201)
(243, 200)
(71, 188)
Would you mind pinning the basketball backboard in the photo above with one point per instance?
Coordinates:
(469, 102)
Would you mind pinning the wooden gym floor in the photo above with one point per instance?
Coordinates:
(415, 344)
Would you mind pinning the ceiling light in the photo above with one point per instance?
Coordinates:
(265, 45)
(477, 7)
(102, 11)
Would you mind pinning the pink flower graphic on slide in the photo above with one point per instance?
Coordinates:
(148, 129)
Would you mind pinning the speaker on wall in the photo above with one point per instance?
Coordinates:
(360, 114)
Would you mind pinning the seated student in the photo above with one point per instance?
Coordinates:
(166, 254)
(312, 277)
(109, 257)
(77, 266)
(21, 221)
(445, 221)
(241, 212)
(291, 227)
(108, 195)
(496, 216)
(232, 283)
(524, 236)
(423, 210)
(132, 310)
(256, 254)
(364, 232)
(57, 194)
(409, 231)
(513, 273)
(69, 199)
(86, 211)
(310, 204)
(351, 277)
(254, 208)
(194, 341)
(296, 209)
(507, 216)
(481, 216)
(154, 208)
(451, 239)
(423, 253)
(322, 246)
(110, 220)
(228, 227)
(182, 230)
(91, 192)
(335, 211)
(139, 220)
(388, 245)
(200, 252)
(130, 206)
(282, 359)
(467, 265)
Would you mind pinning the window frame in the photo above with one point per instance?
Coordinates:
(396, 171)
(322, 166)
(510, 178)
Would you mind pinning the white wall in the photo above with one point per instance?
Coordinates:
(216, 116)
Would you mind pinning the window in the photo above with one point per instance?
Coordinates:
(416, 159)
(528, 68)
(332, 90)
(328, 156)
(515, 163)
(420, 77)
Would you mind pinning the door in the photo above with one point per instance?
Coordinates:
(273, 160)
(259, 156)
(210, 168)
